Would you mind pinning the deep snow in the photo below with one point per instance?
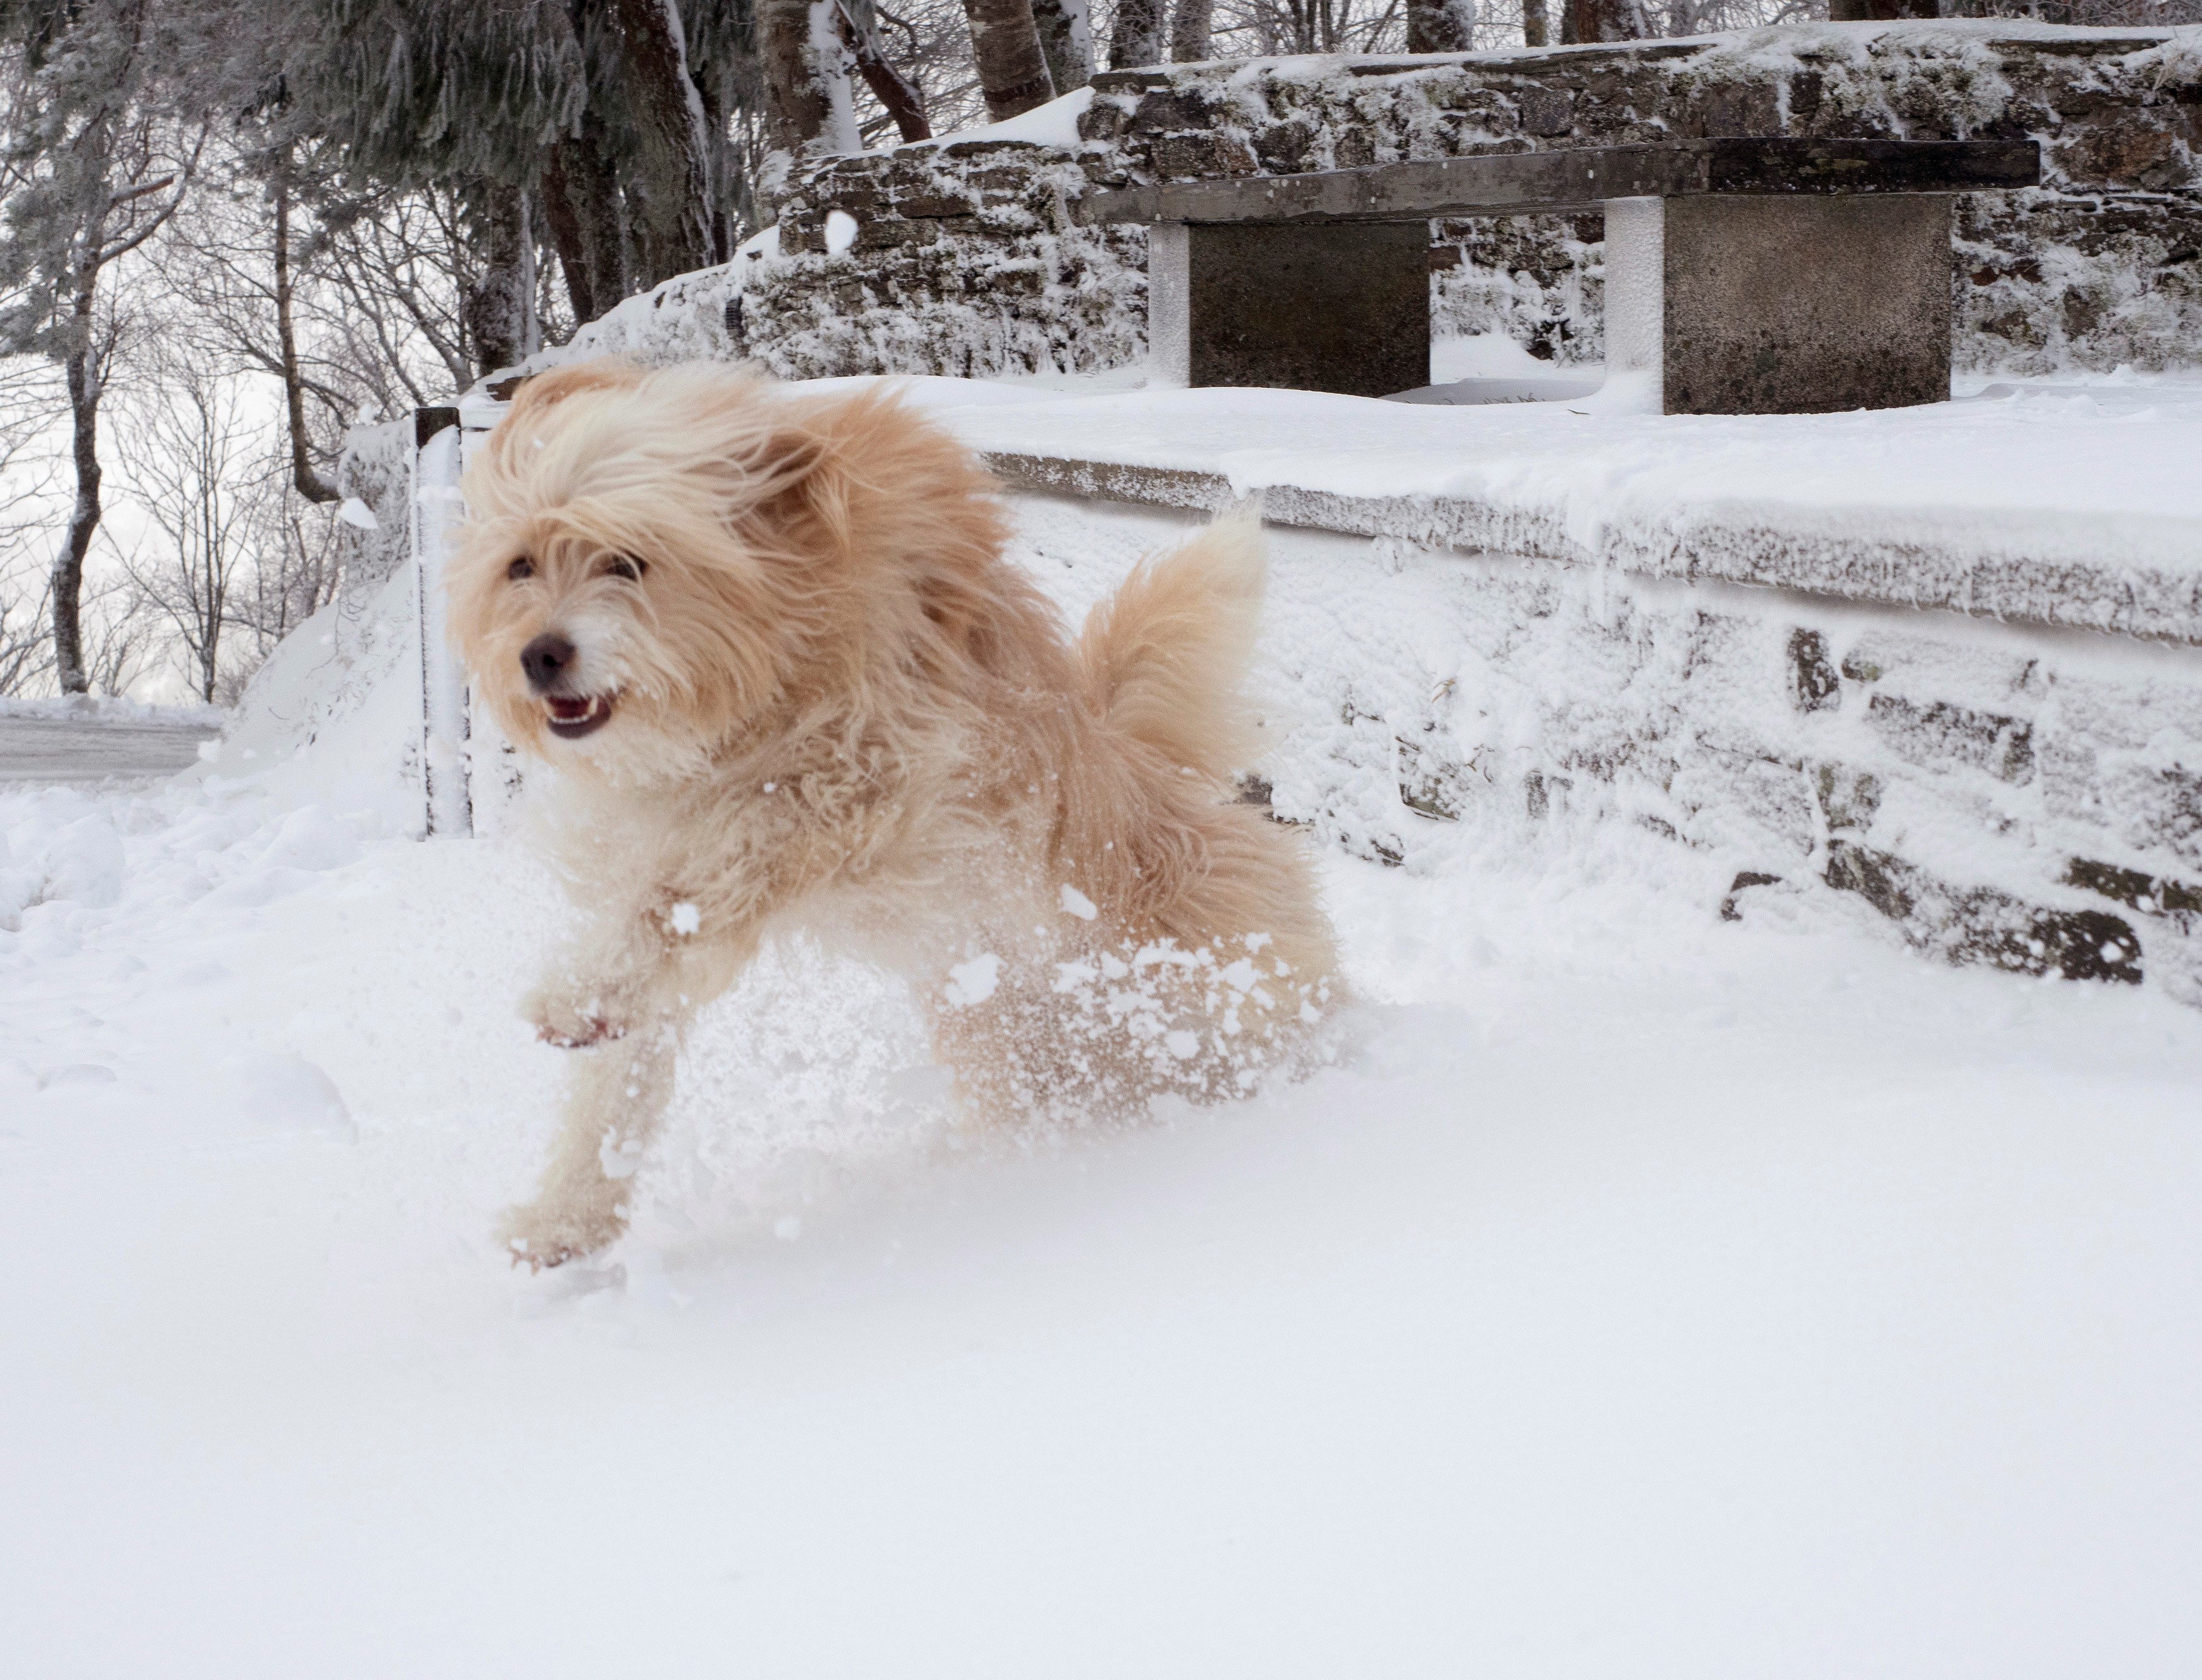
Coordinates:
(1644, 1295)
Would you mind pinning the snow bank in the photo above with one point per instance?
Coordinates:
(1647, 1293)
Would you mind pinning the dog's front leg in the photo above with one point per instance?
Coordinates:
(641, 989)
(615, 1098)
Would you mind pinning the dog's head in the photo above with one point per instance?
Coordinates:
(657, 563)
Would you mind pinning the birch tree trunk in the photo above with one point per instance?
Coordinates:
(1136, 39)
(1066, 41)
(1012, 70)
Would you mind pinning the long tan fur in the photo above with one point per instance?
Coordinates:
(812, 694)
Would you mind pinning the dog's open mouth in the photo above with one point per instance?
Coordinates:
(572, 716)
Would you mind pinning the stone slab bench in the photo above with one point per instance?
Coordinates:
(1743, 275)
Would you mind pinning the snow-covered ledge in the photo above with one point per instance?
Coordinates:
(2077, 507)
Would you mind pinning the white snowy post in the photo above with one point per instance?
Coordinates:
(436, 510)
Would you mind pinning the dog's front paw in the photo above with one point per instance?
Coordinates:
(540, 1235)
(573, 1023)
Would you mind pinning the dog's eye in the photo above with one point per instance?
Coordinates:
(522, 568)
(626, 566)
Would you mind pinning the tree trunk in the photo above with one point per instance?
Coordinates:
(494, 307)
(1012, 70)
(566, 235)
(1879, 11)
(806, 80)
(667, 165)
(86, 385)
(310, 484)
(1536, 24)
(1586, 21)
(1136, 39)
(1066, 41)
(897, 94)
(592, 177)
(1189, 27)
(1441, 25)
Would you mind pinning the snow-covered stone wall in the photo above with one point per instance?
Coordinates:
(2103, 265)
(963, 257)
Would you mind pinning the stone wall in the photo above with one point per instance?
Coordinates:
(2101, 265)
(965, 259)
(1997, 794)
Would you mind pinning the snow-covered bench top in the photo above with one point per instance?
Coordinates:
(2069, 502)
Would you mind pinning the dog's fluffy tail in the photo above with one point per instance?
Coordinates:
(1164, 657)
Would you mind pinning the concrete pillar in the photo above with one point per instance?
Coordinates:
(1759, 304)
(1341, 309)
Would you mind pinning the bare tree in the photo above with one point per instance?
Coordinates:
(97, 174)
(26, 649)
(898, 95)
(195, 453)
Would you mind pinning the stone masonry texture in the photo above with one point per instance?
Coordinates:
(966, 260)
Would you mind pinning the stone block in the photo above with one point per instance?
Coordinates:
(1980, 925)
(1937, 735)
(1336, 309)
(1756, 304)
(1202, 156)
(1813, 684)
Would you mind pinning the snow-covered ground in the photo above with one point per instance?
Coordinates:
(1644, 1295)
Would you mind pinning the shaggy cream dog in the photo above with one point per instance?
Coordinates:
(770, 641)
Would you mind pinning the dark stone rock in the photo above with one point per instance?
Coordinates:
(1283, 146)
(922, 206)
(1744, 880)
(1982, 926)
(1859, 668)
(1938, 735)
(1541, 789)
(1164, 112)
(1546, 111)
(2152, 894)
(1814, 686)
(1201, 157)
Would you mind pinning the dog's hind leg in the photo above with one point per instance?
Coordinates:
(617, 1097)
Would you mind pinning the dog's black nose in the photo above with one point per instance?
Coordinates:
(546, 658)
